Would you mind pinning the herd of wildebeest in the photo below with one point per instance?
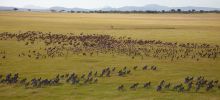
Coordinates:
(73, 78)
(188, 84)
(52, 45)
(62, 45)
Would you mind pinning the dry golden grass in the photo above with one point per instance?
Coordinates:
(200, 28)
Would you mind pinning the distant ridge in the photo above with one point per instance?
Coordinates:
(151, 7)
(68, 9)
(154, 7)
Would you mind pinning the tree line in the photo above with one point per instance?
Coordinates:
(147, 11)
(134, 11)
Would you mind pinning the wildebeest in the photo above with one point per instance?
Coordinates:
(147, 84)
(159, 88)
(135, 67)
(134, 86)
(121, 87)
(167, 86)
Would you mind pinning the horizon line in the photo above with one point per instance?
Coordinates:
(41, 7)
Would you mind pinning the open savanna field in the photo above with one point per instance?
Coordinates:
(60, 43)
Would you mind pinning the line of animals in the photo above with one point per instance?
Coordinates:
(90, 78)
(63, 45)
(189, 84)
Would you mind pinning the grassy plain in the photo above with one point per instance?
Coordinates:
(199, 28)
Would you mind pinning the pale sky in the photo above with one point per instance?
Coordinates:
(111, 3)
